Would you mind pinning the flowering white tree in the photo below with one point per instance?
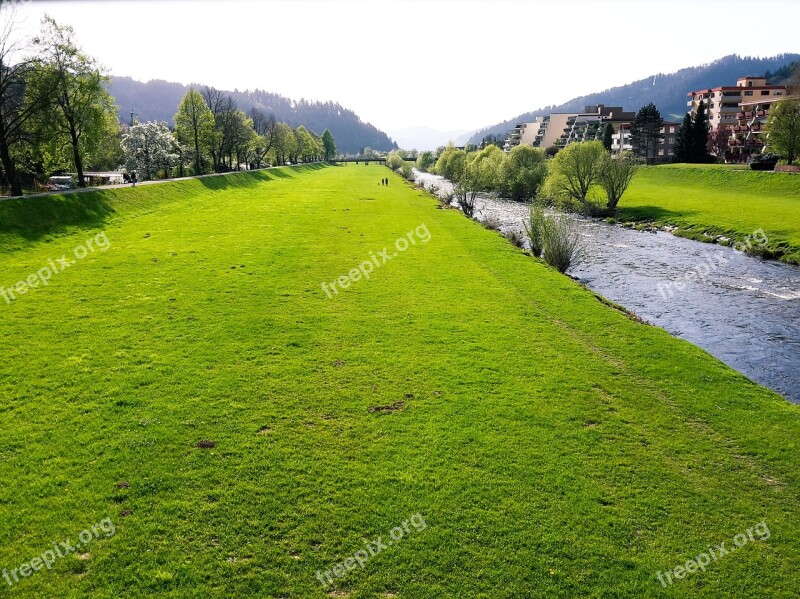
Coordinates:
(150, 148)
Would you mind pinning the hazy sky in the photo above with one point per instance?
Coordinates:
(442, 63)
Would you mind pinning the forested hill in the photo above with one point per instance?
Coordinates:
(666, 91)
(158, 101)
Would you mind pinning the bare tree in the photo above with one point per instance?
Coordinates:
(16, 111)
(213, 99)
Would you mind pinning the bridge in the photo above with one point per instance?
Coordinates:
(364, 160)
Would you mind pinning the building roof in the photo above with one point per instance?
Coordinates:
(734, 88)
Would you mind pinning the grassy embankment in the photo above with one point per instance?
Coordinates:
(553, 446)
(709, 201)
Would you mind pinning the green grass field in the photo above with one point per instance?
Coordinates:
(545, 444)
(719, 200)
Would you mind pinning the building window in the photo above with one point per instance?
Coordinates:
(748, 92)
(778, 93)
(670, 140)
(765, 92)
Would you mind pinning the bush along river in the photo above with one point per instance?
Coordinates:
(745, 311)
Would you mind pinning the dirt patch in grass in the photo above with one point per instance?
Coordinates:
(398, 405)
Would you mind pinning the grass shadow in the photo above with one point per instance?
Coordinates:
(34, 218)
(242, 179)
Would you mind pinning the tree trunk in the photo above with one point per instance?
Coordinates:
(76, 155)
(196, 153)
(10, 169)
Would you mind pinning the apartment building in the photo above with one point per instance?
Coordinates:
(747, 135)
(621, 140)
(563, 128)
(722, 103)
(523, 134)
(589, 124)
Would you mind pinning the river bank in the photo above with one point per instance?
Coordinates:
(715, 204)
(743, 310)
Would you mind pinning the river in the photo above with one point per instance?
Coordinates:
(743, 310)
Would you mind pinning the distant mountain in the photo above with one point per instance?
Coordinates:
(463, 140)
(425, 138)
(666, 91)
(158, 101)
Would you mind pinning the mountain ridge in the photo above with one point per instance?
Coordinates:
(158, 100)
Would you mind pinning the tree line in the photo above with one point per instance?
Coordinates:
(57, 116)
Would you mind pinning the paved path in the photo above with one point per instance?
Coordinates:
(156, 182)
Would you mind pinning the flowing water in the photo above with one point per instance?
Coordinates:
(743, 310)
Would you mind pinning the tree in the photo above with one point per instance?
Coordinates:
(266, 128)
(698, 141)
(425, 161)
(489, 164)
(471, 173)
(615, 176)
(576, 168)
(306, 146)
(793, 83)
(394, 160)
(719, 142)
(285, 143)
(78, 101)
(646, 132)
(523, 173)
(194, 127)
(450, 162)
(783, 129)
(241, 139)
(17, 109)
(149, 148)
(467, 184)
(608, 140)
(681, 149)
(328, 145)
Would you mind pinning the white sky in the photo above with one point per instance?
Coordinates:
(446, 64)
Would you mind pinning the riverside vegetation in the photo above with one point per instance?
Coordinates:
(243, 431)
(706, 202)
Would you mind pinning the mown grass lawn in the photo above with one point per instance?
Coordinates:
(719, 200)
(552, 446)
